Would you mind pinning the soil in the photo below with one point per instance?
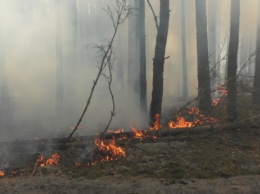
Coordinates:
(225, 162)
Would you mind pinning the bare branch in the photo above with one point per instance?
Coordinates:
(106, 58)
(154, 16)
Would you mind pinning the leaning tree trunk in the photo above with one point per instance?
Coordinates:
(204, 91)
(184, 55)
(143, 88)
(232, 61)
(256, 93)
(158, 61)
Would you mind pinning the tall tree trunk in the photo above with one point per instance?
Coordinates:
(59, 59)
(184, 55)
(133, 81)
(212, 41)
(204, 91)
(158, 61)
(232, 61)
(143, 89)
(5, 109)
(256, 93)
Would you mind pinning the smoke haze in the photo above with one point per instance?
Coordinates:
(28, 62)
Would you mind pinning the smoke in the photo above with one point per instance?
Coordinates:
(28, 62)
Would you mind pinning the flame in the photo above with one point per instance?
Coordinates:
(156, 125)
(198, 119)
(137, 133)
(115, 131)
(2, 173)
(111, 148)
(222, 91)
(180, 123)
(51, 161)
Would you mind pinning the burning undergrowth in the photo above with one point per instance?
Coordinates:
(85, 153)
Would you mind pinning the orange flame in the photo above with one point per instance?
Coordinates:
(2, 173)
(156, 125)
(115, 131)
(111, 148)
(137, 134)
(222, 91)
(180, 123)
(198, 119)
(51, 161)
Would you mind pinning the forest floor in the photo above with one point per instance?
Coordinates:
(228, 162)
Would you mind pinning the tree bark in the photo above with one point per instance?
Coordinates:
(184, 55)
(204, 91)
(232, 61)
(143, 87)
(158, 61)
(256, 93)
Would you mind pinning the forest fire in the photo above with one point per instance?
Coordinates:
(115, 131)
(110, 149)
(190, 118)
(2, 173)
(138, 134)
(222, 92)
(51, 161)
(156, 125)
(180, 123)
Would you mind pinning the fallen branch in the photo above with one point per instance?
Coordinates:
(35, 167)
(237, 144)
(227, 126)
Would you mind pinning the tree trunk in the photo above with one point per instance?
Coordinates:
(212, 29)
(232, 61)
(184, 55)
(204, 91)
(59, 59)
(256, 93)
(5, 106)
(133, 81)
(158, 61)
(143, 89)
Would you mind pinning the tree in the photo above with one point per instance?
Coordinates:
(143, 88)
(5, 106)
(256, 93)
(204, 91)
(59, 59)
(133, 51)
(184, 57)
(159, 58)
(212, 41)
(232, 61)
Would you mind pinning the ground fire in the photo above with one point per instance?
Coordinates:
(2, 173)
(110, 148)
(191, 117)
(222, 92)
(51, 161)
